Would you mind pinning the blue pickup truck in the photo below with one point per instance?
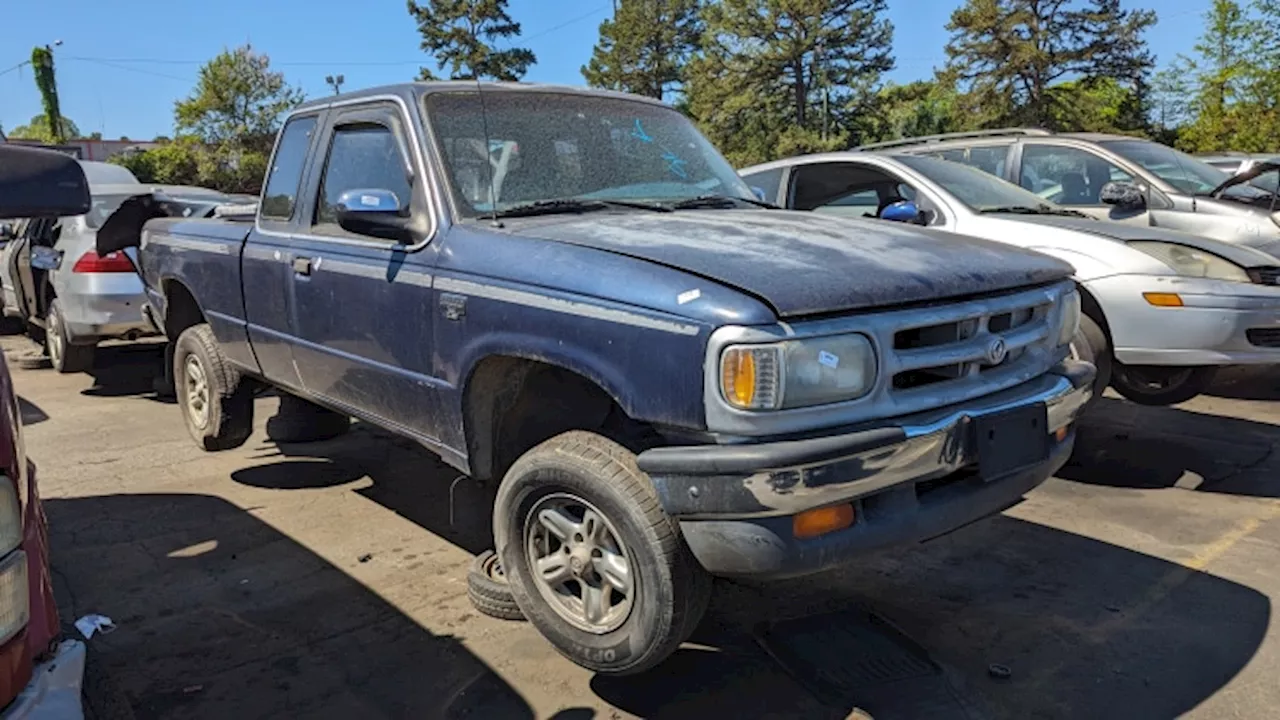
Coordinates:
(572, 294)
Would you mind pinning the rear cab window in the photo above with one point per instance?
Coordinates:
(280, 194)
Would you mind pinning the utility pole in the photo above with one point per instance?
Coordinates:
(335, 82)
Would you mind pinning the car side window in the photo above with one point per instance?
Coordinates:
(768, 181)
(990, 159)
(362, 156)
(281, 191)
(1067, 175)
(845, 188)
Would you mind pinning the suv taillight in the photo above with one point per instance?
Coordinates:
(114, 262)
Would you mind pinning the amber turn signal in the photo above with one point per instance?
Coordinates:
(812, 523)
(1163, 299)
(1061, 433)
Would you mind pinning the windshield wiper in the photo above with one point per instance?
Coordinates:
(1038, 210)
(558, 206)
(718, 201)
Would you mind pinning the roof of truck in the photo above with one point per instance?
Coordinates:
(411, 89)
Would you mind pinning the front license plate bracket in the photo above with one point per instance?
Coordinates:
(1011, 440)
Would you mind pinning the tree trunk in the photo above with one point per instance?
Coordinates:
(801, 91)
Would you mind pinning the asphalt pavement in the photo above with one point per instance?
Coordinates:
(328, 579)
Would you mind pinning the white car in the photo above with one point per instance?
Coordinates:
(1163, 309)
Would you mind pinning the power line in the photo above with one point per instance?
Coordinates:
(112, 64)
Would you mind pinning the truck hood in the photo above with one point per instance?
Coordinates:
(803, 263)
(1241, 255)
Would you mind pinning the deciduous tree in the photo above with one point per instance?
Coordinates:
(238, 101)
(38, 129)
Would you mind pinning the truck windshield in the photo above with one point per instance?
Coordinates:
(527, 147)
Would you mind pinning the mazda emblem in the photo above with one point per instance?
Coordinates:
(996, 351)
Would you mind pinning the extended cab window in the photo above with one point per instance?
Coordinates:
(1067, 175)
(362, 156)
(281, 192)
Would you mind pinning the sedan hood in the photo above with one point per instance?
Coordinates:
(804, 263)
(1241, 255)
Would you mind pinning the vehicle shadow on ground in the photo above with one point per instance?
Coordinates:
(219, 615)
(406, 479)
(1121, 444)
(1260, 382)
(30, 412)
(127, 370)
(1090, 629)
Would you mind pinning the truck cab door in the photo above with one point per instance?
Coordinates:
(363, 304)
(266, 273)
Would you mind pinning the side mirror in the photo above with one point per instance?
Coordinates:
(373, 212)
(41, 183)
(759, 193)
(902, 211)
(45, 258)
(1123, 195)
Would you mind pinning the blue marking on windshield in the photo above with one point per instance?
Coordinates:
(676, 165)
(640, 134)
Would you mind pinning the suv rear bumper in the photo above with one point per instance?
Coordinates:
(909, 479)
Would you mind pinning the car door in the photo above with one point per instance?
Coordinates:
(266, 270)
(362, 314)
(855, 189)
(1073, 177)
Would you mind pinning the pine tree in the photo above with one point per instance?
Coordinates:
(644, 48)
(461, 35)
(782, 77)
(1007, 54)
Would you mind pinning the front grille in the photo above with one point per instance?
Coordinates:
(965, 347)
(1263, 337)
(1265, 275)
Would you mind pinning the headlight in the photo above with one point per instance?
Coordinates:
(797, 373)
(1070, 318)
(1192, 262)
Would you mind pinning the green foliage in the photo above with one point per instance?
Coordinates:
(38, 129)
(237, 101)
(645, 47)
(781, 77)
(924, 107)
(1230, 85)
(1100, 105)
(187, 161)
(1006, 55)
(461, 35)
(42, 65)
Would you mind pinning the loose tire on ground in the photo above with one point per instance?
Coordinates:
(1160, 385)
(63, 356)
(216, 400)
(1092, 345)
(488, 590)
(577, 504)
(299, 421)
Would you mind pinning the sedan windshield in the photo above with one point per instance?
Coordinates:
(518, 148)
(1184, 172)
(980, 191)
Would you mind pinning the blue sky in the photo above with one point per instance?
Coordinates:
(123, 63)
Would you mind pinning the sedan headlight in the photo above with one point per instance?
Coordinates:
(1070, 318)
(1191, 262)
(797, 373)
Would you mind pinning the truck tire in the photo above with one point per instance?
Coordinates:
(299, 421)
(592, 559)
(63, 356)
(1092, 345)
(488, 590)
(216, 400)
(1161, 385)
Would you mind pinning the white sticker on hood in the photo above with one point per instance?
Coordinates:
(688, 296)
(831, 360)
